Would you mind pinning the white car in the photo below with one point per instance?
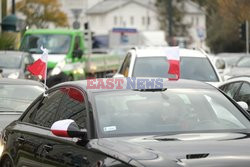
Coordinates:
(238, 88)
(149, 62)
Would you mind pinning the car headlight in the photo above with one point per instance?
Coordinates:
(58, 68)
(14, 75)
(56, 71)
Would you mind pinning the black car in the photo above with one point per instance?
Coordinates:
(116, 123)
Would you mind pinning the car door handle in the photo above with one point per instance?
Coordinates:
(21, 140)
(48, 148)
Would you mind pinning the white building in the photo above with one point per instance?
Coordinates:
(108, 14)
(195, 18)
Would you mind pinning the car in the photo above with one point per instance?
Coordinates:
(152, 62)
(230, 58)
(15, 96)
(237, 88)
(242, 67)
(130, 122)
(13, 64)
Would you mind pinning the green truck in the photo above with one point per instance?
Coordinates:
(69, 58)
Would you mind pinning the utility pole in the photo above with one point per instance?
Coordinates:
(247, 38)
(170, 21)
(13, 11)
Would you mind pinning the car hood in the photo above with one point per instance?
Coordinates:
(7, 118)
(55, 58)
(6, 72)
(183, 150)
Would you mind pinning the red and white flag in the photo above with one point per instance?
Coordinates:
(39, 67)
(173, 57)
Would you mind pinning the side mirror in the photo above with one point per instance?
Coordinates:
(243, 105)
(77, 53)
(1, 71)
(67, 128)
(220, 64)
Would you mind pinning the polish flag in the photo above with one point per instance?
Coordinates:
(39, 67)
(173, 57)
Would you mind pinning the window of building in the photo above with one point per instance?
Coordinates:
(148, 20)
(143, 20)
(131, 20)
(115, 20)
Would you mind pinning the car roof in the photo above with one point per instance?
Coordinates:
(235, 79)
(5, 52)
(160, 52)
(20, 82)
(179, 84)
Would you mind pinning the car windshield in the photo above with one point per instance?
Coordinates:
(17, 97)
(10, 61)
(55, 43)
(244, 62)
(171, 111)
(194, 68)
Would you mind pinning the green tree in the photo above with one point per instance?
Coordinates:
(7, 41)
(41, 13)
(178, 27)
(223, 20)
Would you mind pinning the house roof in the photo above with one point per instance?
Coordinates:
(109, 5)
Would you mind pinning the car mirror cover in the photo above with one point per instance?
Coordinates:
(66, 128)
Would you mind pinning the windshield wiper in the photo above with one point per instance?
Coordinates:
(151, 90)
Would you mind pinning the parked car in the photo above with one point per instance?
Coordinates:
(15, 96)
(242, 67)
(180, 123)
(151, 62)
(14, 63)
(237, 88)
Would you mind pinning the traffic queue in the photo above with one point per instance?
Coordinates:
(162, 107)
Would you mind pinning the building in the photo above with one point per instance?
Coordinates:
(109, 14)
(195, 18)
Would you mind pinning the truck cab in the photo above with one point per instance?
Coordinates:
(66, 48)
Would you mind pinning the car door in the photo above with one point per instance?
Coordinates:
(34, 128)
(68, 151)
(244, 94)
(231, 89)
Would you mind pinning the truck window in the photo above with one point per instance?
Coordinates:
(77, 43)
(55, 43)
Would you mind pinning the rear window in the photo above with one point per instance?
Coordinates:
(194, 68)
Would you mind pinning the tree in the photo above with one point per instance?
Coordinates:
(41, 13)
(178, 27)
(223, 20)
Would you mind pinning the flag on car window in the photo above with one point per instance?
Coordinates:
(39, 67)
(173, 57)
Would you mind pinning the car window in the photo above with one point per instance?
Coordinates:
(197, 68)
(243, 62)
(173, 110)
(244, 94)
(191, 68)
(125, 66)
(45, 114)
(232, 88)
(73, 107)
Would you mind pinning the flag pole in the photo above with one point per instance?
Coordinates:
(45, 55)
